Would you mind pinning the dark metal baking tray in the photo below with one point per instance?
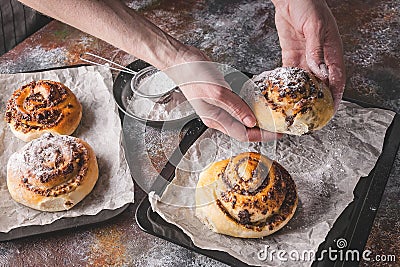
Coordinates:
(63, 223)
(354, 223)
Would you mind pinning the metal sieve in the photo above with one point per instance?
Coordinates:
(147, 83)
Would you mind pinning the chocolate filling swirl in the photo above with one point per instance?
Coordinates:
(37, 105)
(53, 165)
(255, 191)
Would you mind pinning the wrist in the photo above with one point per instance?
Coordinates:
(167, 52)
(181, 54)
(164, 54)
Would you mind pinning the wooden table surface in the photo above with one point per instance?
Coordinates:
(239, 33)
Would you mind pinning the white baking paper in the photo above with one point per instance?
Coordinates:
(100, 127)
(325, 165)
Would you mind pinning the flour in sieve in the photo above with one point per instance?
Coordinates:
(176, 108)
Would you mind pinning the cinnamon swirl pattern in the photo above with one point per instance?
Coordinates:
(247, 196)
(52, 173)
(292, 100)
(42, 106)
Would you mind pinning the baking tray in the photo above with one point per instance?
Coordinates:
(63, 223)
(354, 223)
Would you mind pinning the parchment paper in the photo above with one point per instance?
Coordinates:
(325, 165)
(100, 127)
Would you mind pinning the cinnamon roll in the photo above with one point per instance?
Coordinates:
(247, 196)
(291, 100)
(43, 106)
(52, 173)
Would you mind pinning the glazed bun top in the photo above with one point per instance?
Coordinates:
(43, 106)
(247, 196)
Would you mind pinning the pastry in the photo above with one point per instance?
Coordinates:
(52, 173)
(247, 196)
(43, 106)
(291, 100)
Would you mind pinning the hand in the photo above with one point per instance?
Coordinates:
(122, 27)
(212, 98)
(310, 39)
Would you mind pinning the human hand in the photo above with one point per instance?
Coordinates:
(310, 39)
(212, 98)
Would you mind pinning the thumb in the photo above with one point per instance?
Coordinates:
(315, 38)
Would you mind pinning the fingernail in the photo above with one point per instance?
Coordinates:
(249, 121)
(324, 70)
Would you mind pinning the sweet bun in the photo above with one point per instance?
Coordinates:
(291, 100)
(43, 106)
(52, 173)
(247, 196)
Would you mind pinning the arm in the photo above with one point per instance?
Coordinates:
(116, 24)
(122, 27)
(310, 39)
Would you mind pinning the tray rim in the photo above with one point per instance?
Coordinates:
(144, 208)
(64, 223)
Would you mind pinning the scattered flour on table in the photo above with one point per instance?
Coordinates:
(28, 60)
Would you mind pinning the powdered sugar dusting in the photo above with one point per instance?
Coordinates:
(29, 60)
(42, 157)
(287, 77)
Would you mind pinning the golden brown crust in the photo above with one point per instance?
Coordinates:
(52, 173)
(248, 196)
(43, 106)
(292, 100)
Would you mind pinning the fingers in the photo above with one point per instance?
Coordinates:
(335, 61)
(233, 105)
(217, 118)
(337, 83)
(222, 98)
(291, 42)
(258, 135)
(309, 39)
(324, 53)
(315, 56)
(224, 122)
(337, 80)
(207, 83)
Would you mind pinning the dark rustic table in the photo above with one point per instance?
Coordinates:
(239, 33)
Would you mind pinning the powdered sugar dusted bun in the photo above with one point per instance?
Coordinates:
(52, 173)
(43, 106)
(291, 100)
